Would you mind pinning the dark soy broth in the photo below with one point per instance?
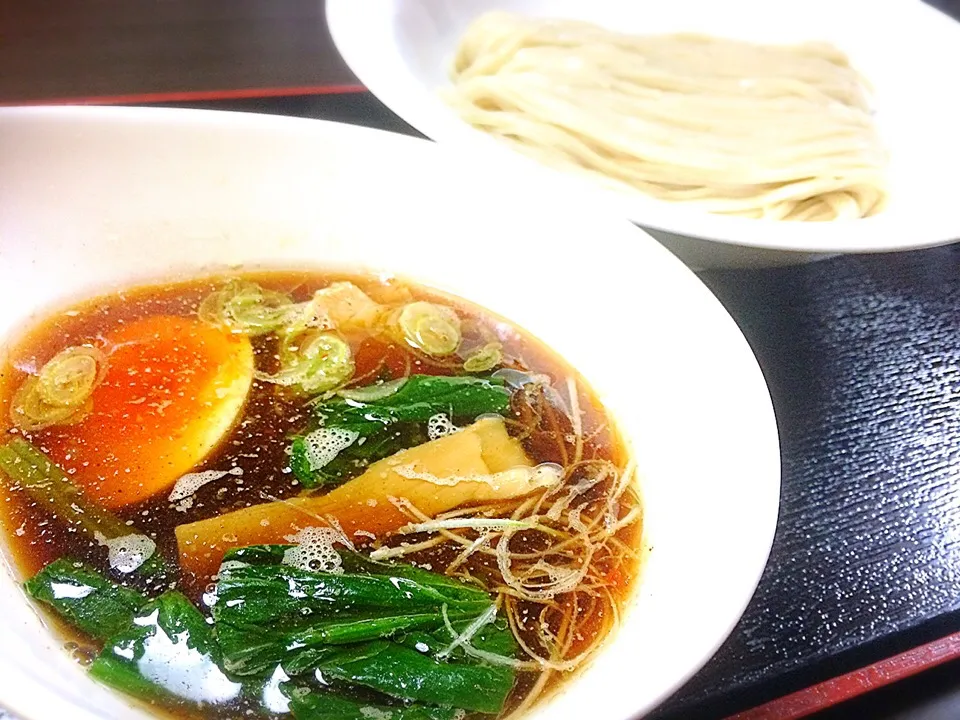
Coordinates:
(254, 459)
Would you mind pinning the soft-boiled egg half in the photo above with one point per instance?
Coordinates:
(173, 389)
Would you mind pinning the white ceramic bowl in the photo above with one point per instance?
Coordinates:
(94, 198)
(400, 49)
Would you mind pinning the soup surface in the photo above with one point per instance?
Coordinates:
(313, 495)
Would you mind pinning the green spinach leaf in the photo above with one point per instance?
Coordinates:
(167, 652)
(404, 673)
(271, 613)
(389, 423)
(356, 563)
(309, 704)
(85, 598)
(495, 638)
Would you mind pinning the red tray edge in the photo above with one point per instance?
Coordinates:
(857, 682)
(190, 95)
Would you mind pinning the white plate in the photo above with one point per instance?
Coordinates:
(95, 197)
(400, 50)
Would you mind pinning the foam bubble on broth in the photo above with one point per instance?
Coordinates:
(324, 444)
(314, 550)
(440, 425)
(127, 552)
(187, 485)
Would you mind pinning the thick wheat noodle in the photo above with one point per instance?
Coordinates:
(774, 132)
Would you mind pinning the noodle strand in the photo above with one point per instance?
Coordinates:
(763, 131)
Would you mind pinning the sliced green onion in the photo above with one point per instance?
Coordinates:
(60, 393)
(484, 618)
(314, 361)
(30, 413)
(70, 376)
(372, 393)
(245, 307)
(432, 328)
(485, 358)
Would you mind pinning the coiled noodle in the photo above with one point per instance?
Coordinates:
(761, 131)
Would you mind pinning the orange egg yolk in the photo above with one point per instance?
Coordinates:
(174, 387)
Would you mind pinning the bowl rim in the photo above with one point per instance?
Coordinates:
(371, 138)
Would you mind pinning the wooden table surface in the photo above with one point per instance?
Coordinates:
(67, 50)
